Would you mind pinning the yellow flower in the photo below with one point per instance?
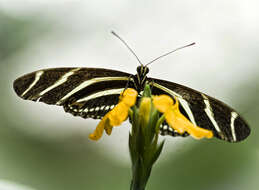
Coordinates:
(117, 115)
(176, 120)
(162, 103)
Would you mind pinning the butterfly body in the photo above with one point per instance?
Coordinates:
(92, 92)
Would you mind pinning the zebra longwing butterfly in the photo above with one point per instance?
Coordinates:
(92, 92)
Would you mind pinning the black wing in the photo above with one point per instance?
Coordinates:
(85, 92)
(205, 111)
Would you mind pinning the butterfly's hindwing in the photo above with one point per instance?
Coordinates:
(94, 108)
(165, 129)
(205, 111)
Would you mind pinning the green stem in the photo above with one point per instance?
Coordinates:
(140, 176)
(136, 186)
(143, 143)
(136, 182)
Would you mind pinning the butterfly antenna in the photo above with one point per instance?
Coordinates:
(169, 53)
(116, 35)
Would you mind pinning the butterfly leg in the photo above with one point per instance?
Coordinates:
(127, 84)
(151, 84)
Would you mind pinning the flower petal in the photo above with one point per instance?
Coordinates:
(117, 115)
(128, 97)
(108, 127)
(121, 110)
(198, 132)
(178, 121)
(162, 103)
(98, 132)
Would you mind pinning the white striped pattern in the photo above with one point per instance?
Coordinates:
(182, 101)
(209, 113)
(87, 83)
(233, 117)
(37, 78)
(101, 93)
(62, 80)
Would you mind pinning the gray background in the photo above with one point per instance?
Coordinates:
(42, 147)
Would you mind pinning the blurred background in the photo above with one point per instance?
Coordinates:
(43, 148)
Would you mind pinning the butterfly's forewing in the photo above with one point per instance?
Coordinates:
(205, 111)
(86, 92)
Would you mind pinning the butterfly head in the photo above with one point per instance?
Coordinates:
(141, 77)
(142, 71)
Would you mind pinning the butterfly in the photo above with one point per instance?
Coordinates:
(92, 92)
